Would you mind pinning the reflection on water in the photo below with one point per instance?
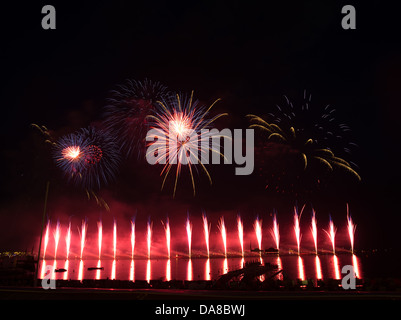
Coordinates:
(356, 267)
(81, 270)
(336, 268)
(148, 275)
(207, 270)
(132, 271)
(295, 267)
(168, 270)
(318, 268)
(301, 273)
(189, 270)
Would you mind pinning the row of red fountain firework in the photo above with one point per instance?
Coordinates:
(274, 231)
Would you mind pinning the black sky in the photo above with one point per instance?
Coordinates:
(248, 54)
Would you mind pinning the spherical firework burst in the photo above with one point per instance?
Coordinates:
(297, 149)
(127, 111)
(179, 135)
(89, 158)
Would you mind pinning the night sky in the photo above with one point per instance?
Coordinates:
(244, 53)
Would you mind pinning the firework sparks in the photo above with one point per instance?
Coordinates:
(149, 238)
(258, 232)
(240, 227)
(46, 238)
(314, 229)
(179, 137)
(206, 231)
(223, 232)
(115, 238)
(332, 234)
(127, 112)
(132, 237)
(275, 232)
(100, 235)
(351, 229)
(68, 240)
(299, 148)
(88, 158)
(56, 238)
(189, 235)
(297, 229)
(83, 231)
(168, 236)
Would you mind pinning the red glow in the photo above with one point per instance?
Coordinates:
(132, 271)
(100, 235)
(56, 238)
(301, 273)
(223, 232)
(351, 229)
(149, 237)
(332, 235)
(189, 236)
(356, 266)
(189, 270)
(148, 271)
(83, 235)
(168, 237)
(206, 231)
(115, 239)
(240, 234)
(207, 270)
(275, 232)
(168, 270)
(68, 241)
(336, 267)
(46, 238)
(318, 268)
(258, 232)
(297, 229)
(98, 270)
(314, 229)
(132, 239)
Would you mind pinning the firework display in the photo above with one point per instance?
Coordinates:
(178, 130)
(89, 158)
(296, 152)
(126, 114)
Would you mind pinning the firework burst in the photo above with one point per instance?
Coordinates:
(180, 136)
(127, 111)
(304, 138)
(88, 158)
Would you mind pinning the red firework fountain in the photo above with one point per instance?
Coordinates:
(240, 234)
(189, 235)
(68, 241)
(83, 235)
(258, 232)
(46, 238)
(132, 238)
(351, 229)
(99, 237)
(223, 232)
(206, 231)
(115, 239)
(332, 235)
(314, 229)
(297, 228)
(275, 232)
(149, 237)
(168, 237)
(56, 239)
